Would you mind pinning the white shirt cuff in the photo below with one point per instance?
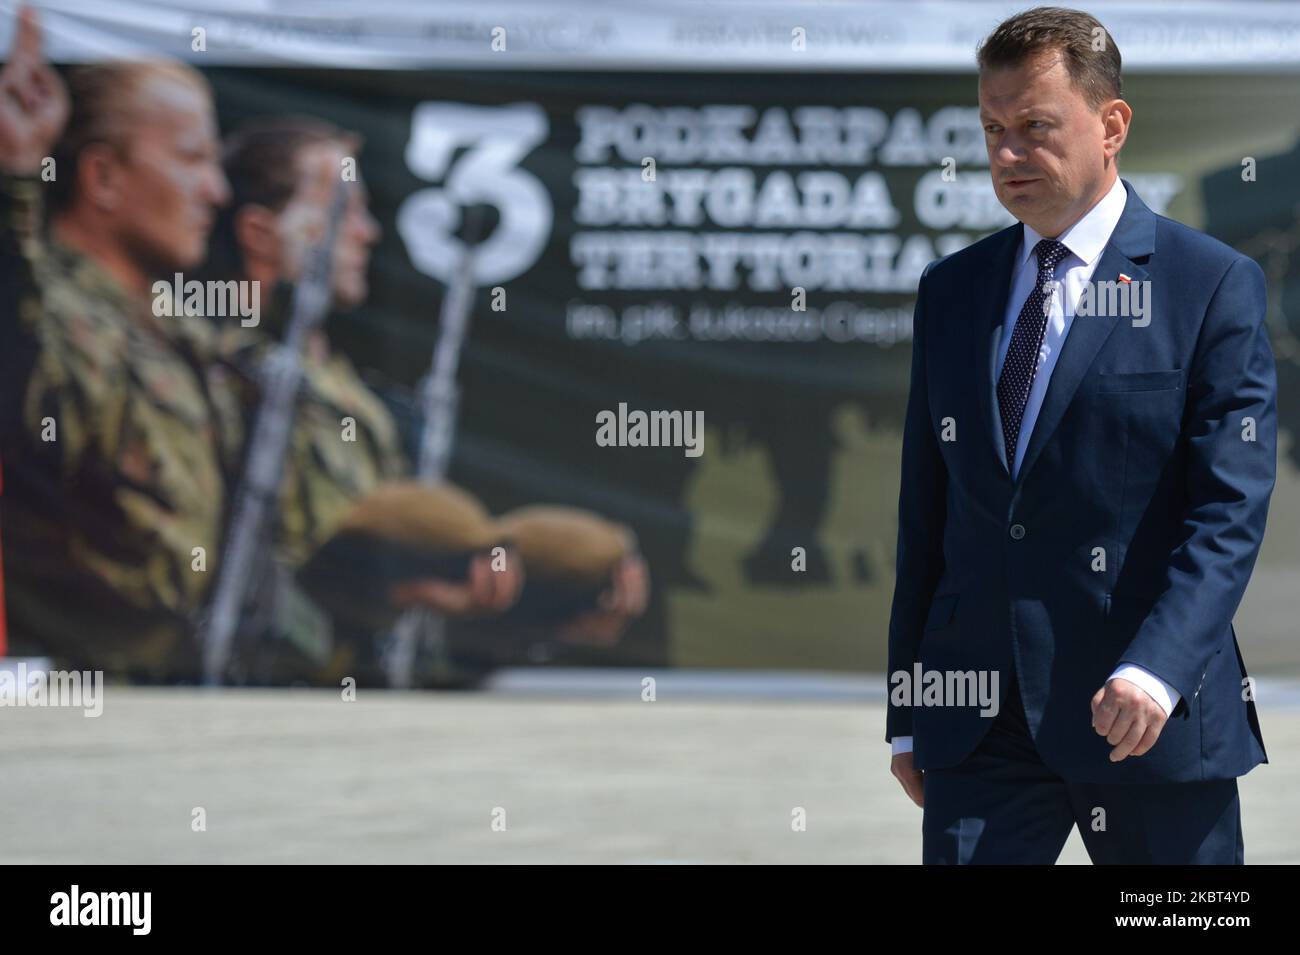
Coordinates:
(1158, 689)
(900, 744)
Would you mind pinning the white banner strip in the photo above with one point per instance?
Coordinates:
(679, 35)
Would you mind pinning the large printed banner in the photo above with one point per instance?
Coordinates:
(740, 250)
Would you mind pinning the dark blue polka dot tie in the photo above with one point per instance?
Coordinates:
(1022, 356)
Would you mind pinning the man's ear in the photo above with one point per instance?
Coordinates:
(1116, 118)
(99, 178)
(258, 233)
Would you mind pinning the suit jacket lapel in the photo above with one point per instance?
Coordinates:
(991, 291)
(1133, 239)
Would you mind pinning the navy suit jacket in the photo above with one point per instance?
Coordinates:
(1156, 444)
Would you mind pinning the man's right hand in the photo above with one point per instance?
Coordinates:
(912, 780)
(33, 101)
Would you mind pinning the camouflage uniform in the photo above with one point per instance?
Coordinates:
(331, 461)
(101, 523)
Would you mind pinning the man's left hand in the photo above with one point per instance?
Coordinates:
(1128, 717)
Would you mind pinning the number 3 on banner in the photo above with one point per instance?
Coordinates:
(475, 151)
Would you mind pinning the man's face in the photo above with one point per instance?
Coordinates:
(1048, 149)
(357, 233)
(171, 178)
(304, 218)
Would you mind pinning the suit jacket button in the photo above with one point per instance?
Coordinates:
(1017, 531)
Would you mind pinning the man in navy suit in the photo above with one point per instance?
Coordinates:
(1088, 455)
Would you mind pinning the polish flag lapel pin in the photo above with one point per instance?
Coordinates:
(1125, 278)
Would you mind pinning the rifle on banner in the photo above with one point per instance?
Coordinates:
(281, 377)
(439, 402)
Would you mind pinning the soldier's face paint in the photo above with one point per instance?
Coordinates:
(173, 177)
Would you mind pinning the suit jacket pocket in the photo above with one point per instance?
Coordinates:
(1128, 382)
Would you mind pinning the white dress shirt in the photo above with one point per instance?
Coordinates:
(1086, 240)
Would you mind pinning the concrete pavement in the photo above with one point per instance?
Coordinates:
(302, 776)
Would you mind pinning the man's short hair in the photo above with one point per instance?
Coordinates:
(260, 160)
(1090, 53)
(261, 157)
